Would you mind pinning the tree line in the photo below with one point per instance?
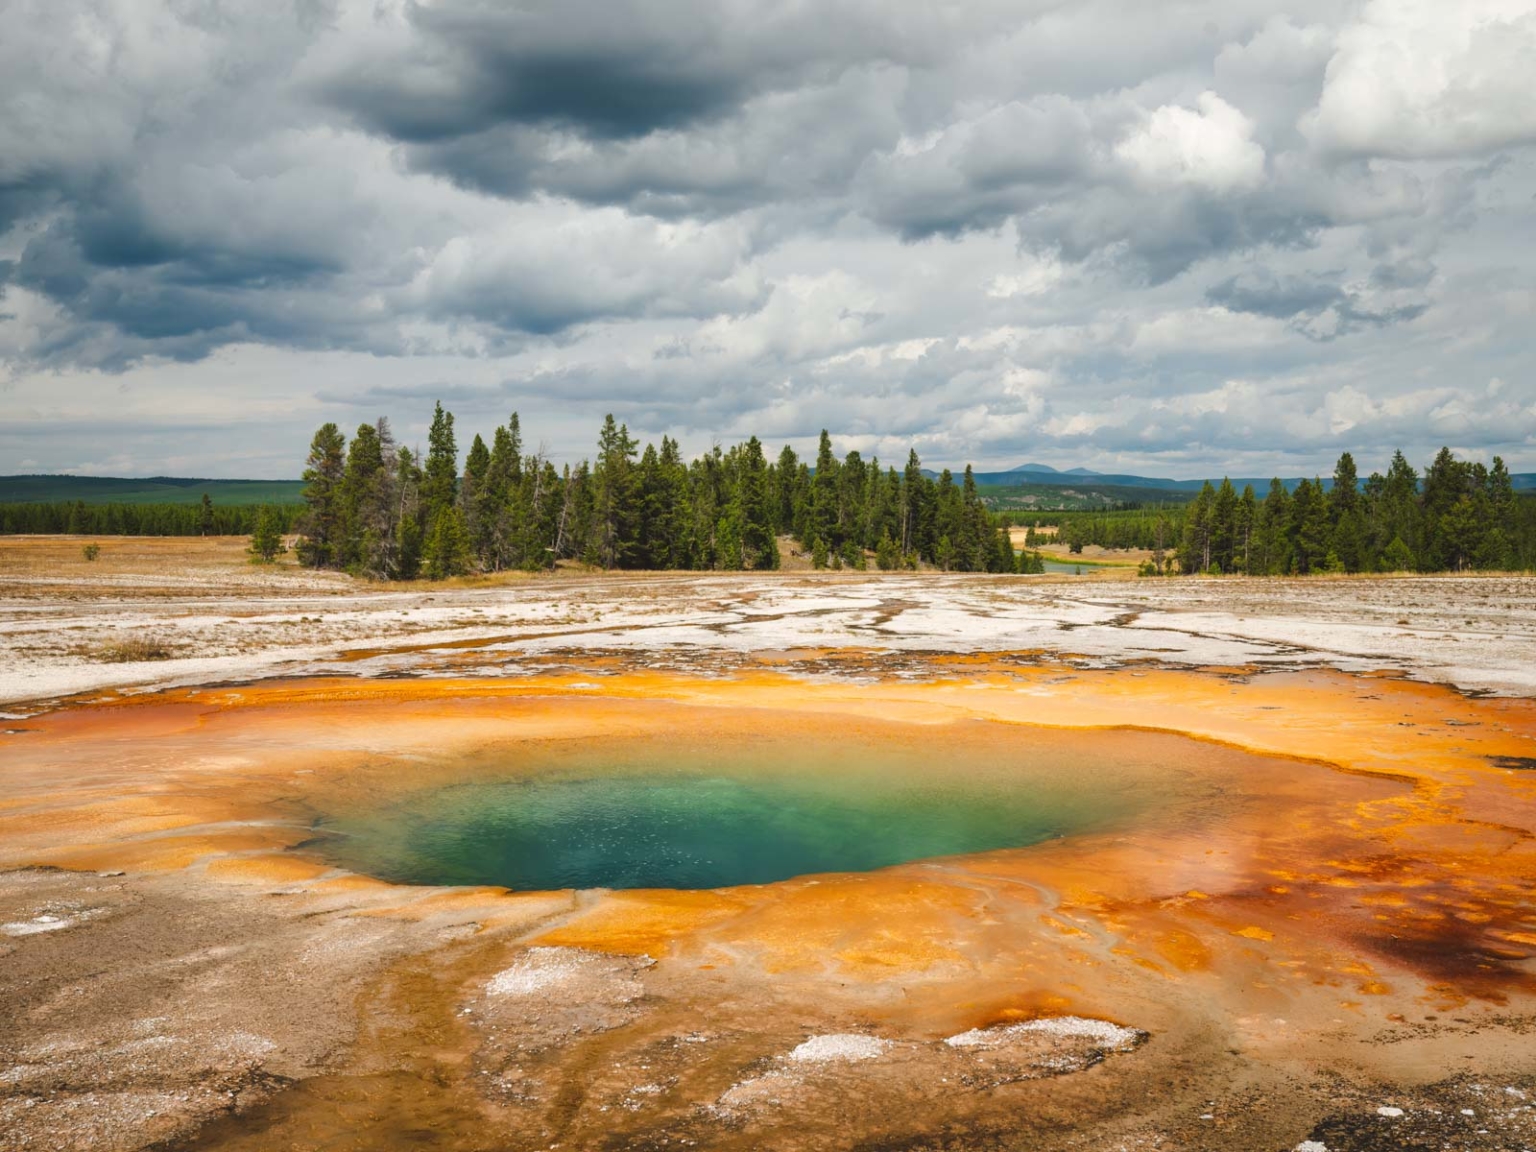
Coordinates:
(205, 519)
(1458, 516)
(379, 509)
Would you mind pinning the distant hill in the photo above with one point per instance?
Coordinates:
(1042, 488)
(149, 490)
(1044, 474)
(1012, 491)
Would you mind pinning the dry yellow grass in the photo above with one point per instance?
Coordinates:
(133, 650)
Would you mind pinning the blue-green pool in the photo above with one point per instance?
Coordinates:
(684, 818)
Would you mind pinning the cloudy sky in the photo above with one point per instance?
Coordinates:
(1173, 238)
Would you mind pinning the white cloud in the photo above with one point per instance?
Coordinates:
(1430, 78)
(1210, 146)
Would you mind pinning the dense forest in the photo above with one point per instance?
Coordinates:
(1458, 516)
(378, 509)
(120, 519)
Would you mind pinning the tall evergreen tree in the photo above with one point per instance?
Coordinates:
(1224, 527)
(759, 548)
(824, 495)
(322, 524)
(440, 479)
(409, 510)
(474, 508)
(365, 461)
(1195, 552)
(613, 496)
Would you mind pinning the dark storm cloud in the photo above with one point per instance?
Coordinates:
(616, 68)
(1303, 299)
(1280, 297)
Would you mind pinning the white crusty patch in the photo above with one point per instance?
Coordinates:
(839, 1046)
(538, 969)
(1103, 1033)
(48, 922)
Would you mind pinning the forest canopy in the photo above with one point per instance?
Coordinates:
(379, 509)
(1458, 516)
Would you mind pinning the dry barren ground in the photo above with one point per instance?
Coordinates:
(1325, 941)
(69, 626)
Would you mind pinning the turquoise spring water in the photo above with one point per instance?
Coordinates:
(702, 825)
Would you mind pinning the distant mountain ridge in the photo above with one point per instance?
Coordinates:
(1113, 487)
(1045, 474)
(49, 489)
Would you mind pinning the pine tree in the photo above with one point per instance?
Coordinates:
(1274, 530)
(1397, 557)
(365, 462)
(498, 529)
(1445, 483)
(205, 517)
(786, 477)
(728, 534)
(911, 489)
(759, 547)
(613, 496)
(440, 480)
(266, 537)
(447, 551)
(824, 495)
(479, 522)
(1399, 517)
(1247, 522)
(1309, 526)
(1195, 552)
(1460, 535)
(408, 515)
(321, 526)
(1223, 530)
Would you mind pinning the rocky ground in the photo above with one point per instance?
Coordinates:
(69, 626)
(1336, 961)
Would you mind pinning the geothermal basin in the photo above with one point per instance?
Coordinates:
(470, 894)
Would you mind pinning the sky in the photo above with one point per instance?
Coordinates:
(1178, 239)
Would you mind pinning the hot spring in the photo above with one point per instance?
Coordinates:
(696, 813)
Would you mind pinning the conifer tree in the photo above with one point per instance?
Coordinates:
(474, 508)
(1195, 553)
(440, 478)
(759, 547)
(266, 537)
(1309, 526)
(1247, 522)
(205, 517)
(824, 495)
(911, 504)
(322, 523)
(446, 551)
(613, 496)
(408, 515)
(1223, 527)
(1398, 557)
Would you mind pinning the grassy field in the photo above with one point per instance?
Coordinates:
(154, 490)
(1081, 495)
